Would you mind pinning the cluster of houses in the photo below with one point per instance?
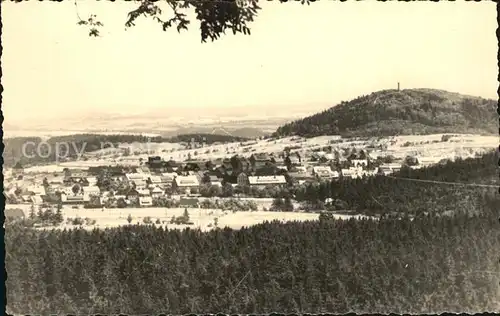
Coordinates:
(157, 178)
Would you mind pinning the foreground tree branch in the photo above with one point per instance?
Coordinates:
(215, 16)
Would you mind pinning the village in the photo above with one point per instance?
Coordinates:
(252, 173)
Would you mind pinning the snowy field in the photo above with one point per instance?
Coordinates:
(424, 146)
(201, 218)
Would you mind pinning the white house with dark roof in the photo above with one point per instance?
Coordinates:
(59, 180)
(145, 198)
(70, 198)
(262, 181)
(132, 177)
(155, 180)
(157, 192)
(387, 169)
(186, 183)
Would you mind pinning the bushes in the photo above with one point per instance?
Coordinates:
(282, 205)
(230, 204)
(164, 202)
(181, 220)
(75, 221)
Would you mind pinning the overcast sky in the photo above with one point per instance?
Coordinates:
(297, 57)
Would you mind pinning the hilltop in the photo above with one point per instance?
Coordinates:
(393, 112)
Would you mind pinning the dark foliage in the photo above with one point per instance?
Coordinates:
(425, 265)
(392, 112)
(214, 16)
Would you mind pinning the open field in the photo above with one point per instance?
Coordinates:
(201, 218)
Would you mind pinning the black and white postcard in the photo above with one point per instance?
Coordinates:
(250, 157)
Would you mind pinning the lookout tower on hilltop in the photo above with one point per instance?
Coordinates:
(398, 85)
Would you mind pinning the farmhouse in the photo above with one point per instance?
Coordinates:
(263, 181)
(259, 160)
(278, 161)
(186, 182)
(214, 180)
(293, 160)
(91, 190)
(134, 177)
(359, 163)
(133, 195)
(386, 169)
(139, 179)
(157, 192)
(74, 199)
(59, 180)
(167, 179)
(145, 198)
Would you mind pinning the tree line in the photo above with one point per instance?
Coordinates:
(426, 265)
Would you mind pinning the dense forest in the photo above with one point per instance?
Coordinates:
(393, 112)
(70, 146)
(426, 265)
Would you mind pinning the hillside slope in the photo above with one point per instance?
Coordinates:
(393, 112)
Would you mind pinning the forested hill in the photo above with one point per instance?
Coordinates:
(393, 112)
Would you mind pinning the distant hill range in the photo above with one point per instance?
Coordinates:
(405, 112)
(244, 132)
